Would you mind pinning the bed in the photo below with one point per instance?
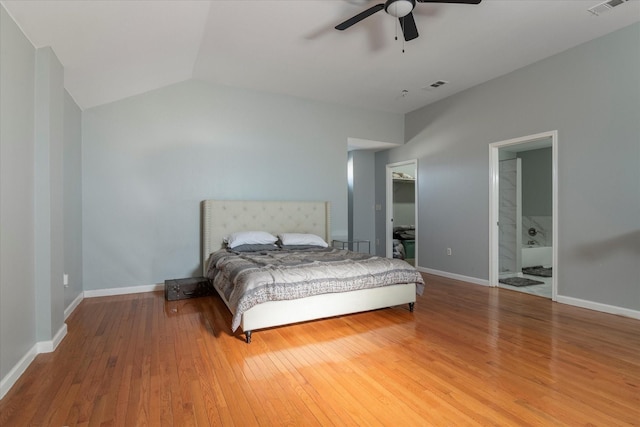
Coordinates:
(220, 218)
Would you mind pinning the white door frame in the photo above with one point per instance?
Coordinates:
(494, 175)
(389, 203)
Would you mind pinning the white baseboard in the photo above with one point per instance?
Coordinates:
(124, 291)
(40, 347)
(454, 276)
(605, 308)
(49, 346)
(74, 304)
(10, 379)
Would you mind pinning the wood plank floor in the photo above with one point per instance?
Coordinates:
(468, 355)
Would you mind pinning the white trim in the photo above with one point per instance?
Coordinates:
(494, 215)
(50, 346)
(494, 176)
(576, 302)
(124, 291)
(519, 214)
(605, 308)
(454, 276)
(40, 347)
(389, 206)
(74, 304)
(14, 374)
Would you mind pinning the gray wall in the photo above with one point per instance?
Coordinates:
(72, 199)
(362, 208)
(537, 182)
(17, 285)
(148, 161)
(591, 95)
(49, 225)
(36, 222)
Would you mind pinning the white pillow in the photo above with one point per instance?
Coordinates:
(249, 238)
(302, 239)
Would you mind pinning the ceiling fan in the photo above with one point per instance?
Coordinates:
(400, 9)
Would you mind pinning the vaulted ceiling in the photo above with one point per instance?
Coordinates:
(114, 49)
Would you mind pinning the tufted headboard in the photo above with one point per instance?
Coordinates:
(222, 217)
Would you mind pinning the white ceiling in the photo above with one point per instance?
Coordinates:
(114, 49)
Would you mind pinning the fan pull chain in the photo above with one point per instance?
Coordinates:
(396, 37)
(403, 40)
(396, 30)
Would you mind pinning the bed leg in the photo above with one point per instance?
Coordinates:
(411, 304)
(247, 335)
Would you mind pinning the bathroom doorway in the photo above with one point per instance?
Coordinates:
(523, 217)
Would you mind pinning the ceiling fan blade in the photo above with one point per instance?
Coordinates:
(409, 28)
(450, 1)
(359, 17)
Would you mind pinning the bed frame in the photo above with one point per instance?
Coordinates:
(222, 217)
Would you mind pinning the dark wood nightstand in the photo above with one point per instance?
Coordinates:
(192, 287)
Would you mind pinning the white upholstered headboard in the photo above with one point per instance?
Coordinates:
(222, 217)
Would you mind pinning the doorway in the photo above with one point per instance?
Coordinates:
(523, 218)
(402, 211)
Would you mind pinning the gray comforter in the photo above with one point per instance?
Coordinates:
(250, 278)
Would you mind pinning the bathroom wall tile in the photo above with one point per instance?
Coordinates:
(507, 206)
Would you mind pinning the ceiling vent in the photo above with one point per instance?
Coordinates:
(435, 85)
(599, 9)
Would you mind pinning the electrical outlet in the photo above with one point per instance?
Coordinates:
(449, 251)
(377, 242)
(65, 280)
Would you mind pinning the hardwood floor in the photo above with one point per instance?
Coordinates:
(468, 355)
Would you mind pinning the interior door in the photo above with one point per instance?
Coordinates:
(402, 205)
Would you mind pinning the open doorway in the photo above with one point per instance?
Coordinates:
(402, 211)
(523, 217)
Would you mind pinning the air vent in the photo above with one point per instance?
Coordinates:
(435, 85)
(601, 8)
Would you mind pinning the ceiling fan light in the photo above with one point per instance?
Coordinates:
(400, 8)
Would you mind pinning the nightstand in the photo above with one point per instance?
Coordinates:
(192, 287)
